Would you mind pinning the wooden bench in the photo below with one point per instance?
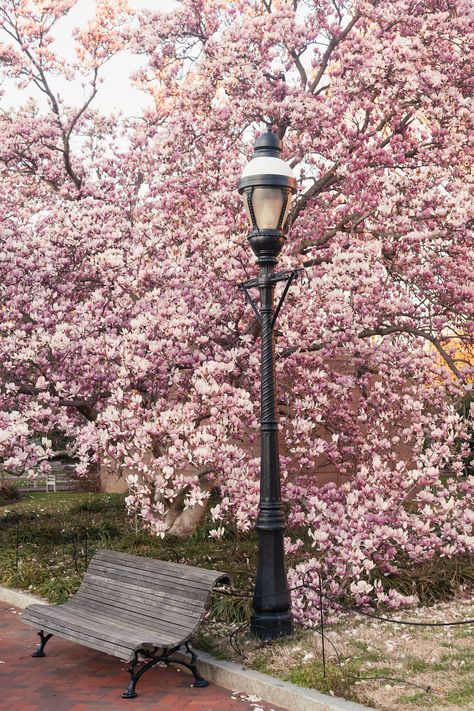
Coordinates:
(138, 609)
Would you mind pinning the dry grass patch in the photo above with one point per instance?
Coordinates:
(389, 667)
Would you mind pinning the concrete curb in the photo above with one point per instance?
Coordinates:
(236, 677)
(274, 691)
(19, 599)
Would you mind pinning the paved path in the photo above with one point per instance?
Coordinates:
(74, 678)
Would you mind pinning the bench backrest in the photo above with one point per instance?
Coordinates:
(165, 594)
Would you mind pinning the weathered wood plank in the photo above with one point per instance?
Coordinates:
(88, 640)
(100, 646)
(127, 587)
(153, 575)
(173, 589)
(104, 632)
(149, 577)
(138, 618)
(134, 601)
(98, 601)
(129, 629)
(89, 626)
(194, 573)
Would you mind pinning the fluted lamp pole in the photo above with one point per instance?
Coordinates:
(267, 186)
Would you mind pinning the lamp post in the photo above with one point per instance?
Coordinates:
(267, 186)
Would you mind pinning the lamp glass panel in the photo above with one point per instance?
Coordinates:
(246, 198)
(287, 210)
(267, 204)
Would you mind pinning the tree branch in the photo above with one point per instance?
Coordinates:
(419, 333)
(325, 237)
(299, 66)
(85, 105)
(85, 408)
(330, 49)
(385, 331)
(42, 83)
(325, 182)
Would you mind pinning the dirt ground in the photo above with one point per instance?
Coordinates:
(389, 667)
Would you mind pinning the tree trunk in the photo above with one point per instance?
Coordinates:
(184, 523)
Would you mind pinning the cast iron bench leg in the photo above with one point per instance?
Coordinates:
(40, 648)
(200, 682)
(130, 692)
(165, 658)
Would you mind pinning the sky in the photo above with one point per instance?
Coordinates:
(116, 92)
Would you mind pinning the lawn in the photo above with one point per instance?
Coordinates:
(52, 546)
(390, 667)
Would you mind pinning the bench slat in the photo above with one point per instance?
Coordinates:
(68, 619)
(87, 641)
(137, 612)
(67, 632)
(136, 602)
(191, 572)
(91, 618)
(92, 621)
(175, 590)
(149, 578)
(102, 629)
(125, 588)
(137, 617)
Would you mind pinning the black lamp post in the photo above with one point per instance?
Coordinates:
(267, 186)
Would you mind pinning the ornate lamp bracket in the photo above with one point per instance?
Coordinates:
(286, 276)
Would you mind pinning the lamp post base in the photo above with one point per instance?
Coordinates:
(271, 625)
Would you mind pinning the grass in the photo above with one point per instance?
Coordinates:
(366, 661)
(385, 666)
(336, 680)
(49, 523)
(433, 580)
(459, 698)
(463, 695)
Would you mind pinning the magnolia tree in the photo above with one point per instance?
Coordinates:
(123, 240)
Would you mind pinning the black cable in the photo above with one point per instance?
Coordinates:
(352, 608)
(411, 623)
(233, 640)
(173, 551)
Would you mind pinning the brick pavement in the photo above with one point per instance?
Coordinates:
(74, 678)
